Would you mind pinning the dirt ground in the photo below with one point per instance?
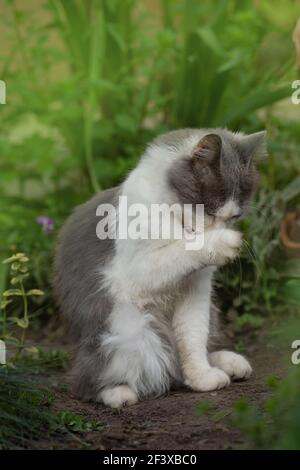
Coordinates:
(170, 422)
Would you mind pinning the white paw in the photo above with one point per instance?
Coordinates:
(211, 379)
(224, 245)
(231, 242)
(231, 238)
(118, 396)
(235, 365)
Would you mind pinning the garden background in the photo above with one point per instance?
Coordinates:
(88, 84)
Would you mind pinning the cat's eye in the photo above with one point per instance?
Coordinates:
(235, 217)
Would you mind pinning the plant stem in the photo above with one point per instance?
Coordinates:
(89, 151)
(4, 322)
(25, 317)
(20, 40)
(94, 71)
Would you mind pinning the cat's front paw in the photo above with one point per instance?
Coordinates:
(227, 245)
(208, 380)
(235, 365)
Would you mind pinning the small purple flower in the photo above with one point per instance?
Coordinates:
(46, 223)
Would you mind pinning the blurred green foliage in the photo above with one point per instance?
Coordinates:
(275, 423)
(271, 425)
(26, 413)
(89, 83)
(85, 104)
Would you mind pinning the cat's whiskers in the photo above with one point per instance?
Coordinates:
(255, 208)
(252, 255)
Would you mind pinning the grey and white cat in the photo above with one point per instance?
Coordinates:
(139, 311)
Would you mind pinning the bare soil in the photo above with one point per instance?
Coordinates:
(171, 422)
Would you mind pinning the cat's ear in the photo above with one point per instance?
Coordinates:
(254, 146)
(208, 150)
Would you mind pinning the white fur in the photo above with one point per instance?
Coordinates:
(235, 365)
(230, 209)
(118, 396)
(191, 327)
(210, 379)
(136, 354)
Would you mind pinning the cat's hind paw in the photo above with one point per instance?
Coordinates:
(118, 396)
(235, 365)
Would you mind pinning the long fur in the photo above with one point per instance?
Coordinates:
(139, 310)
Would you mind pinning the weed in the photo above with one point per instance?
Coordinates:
(18, 274)
(75, 423)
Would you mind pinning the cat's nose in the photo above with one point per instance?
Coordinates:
(237, 215)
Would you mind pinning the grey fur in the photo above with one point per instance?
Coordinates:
(254, 146)
(220, 168)
(77, 278)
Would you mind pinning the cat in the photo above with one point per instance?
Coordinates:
(140, 311)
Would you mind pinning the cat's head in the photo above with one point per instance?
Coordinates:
(220, 172)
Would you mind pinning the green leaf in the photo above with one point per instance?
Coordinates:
(32, 350)
(289, 268)
(21, 322)
(254, 101)
(23, 259)
(9, 260)
(12, 292)
(4, 303)
(16, 257)
(15, 280)
(250, 319)
(35, 292)
(291, 190)
(24, 269)
(15, 266)
(210, 39)
(3, 274)
(241, 405)
(291, 292)
(205, 407)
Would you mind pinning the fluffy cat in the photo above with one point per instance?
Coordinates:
(139, 310)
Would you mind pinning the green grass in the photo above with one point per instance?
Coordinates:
(26, 414)
(24, 409)
(270, 422)
(274, 424)
(66, 420)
